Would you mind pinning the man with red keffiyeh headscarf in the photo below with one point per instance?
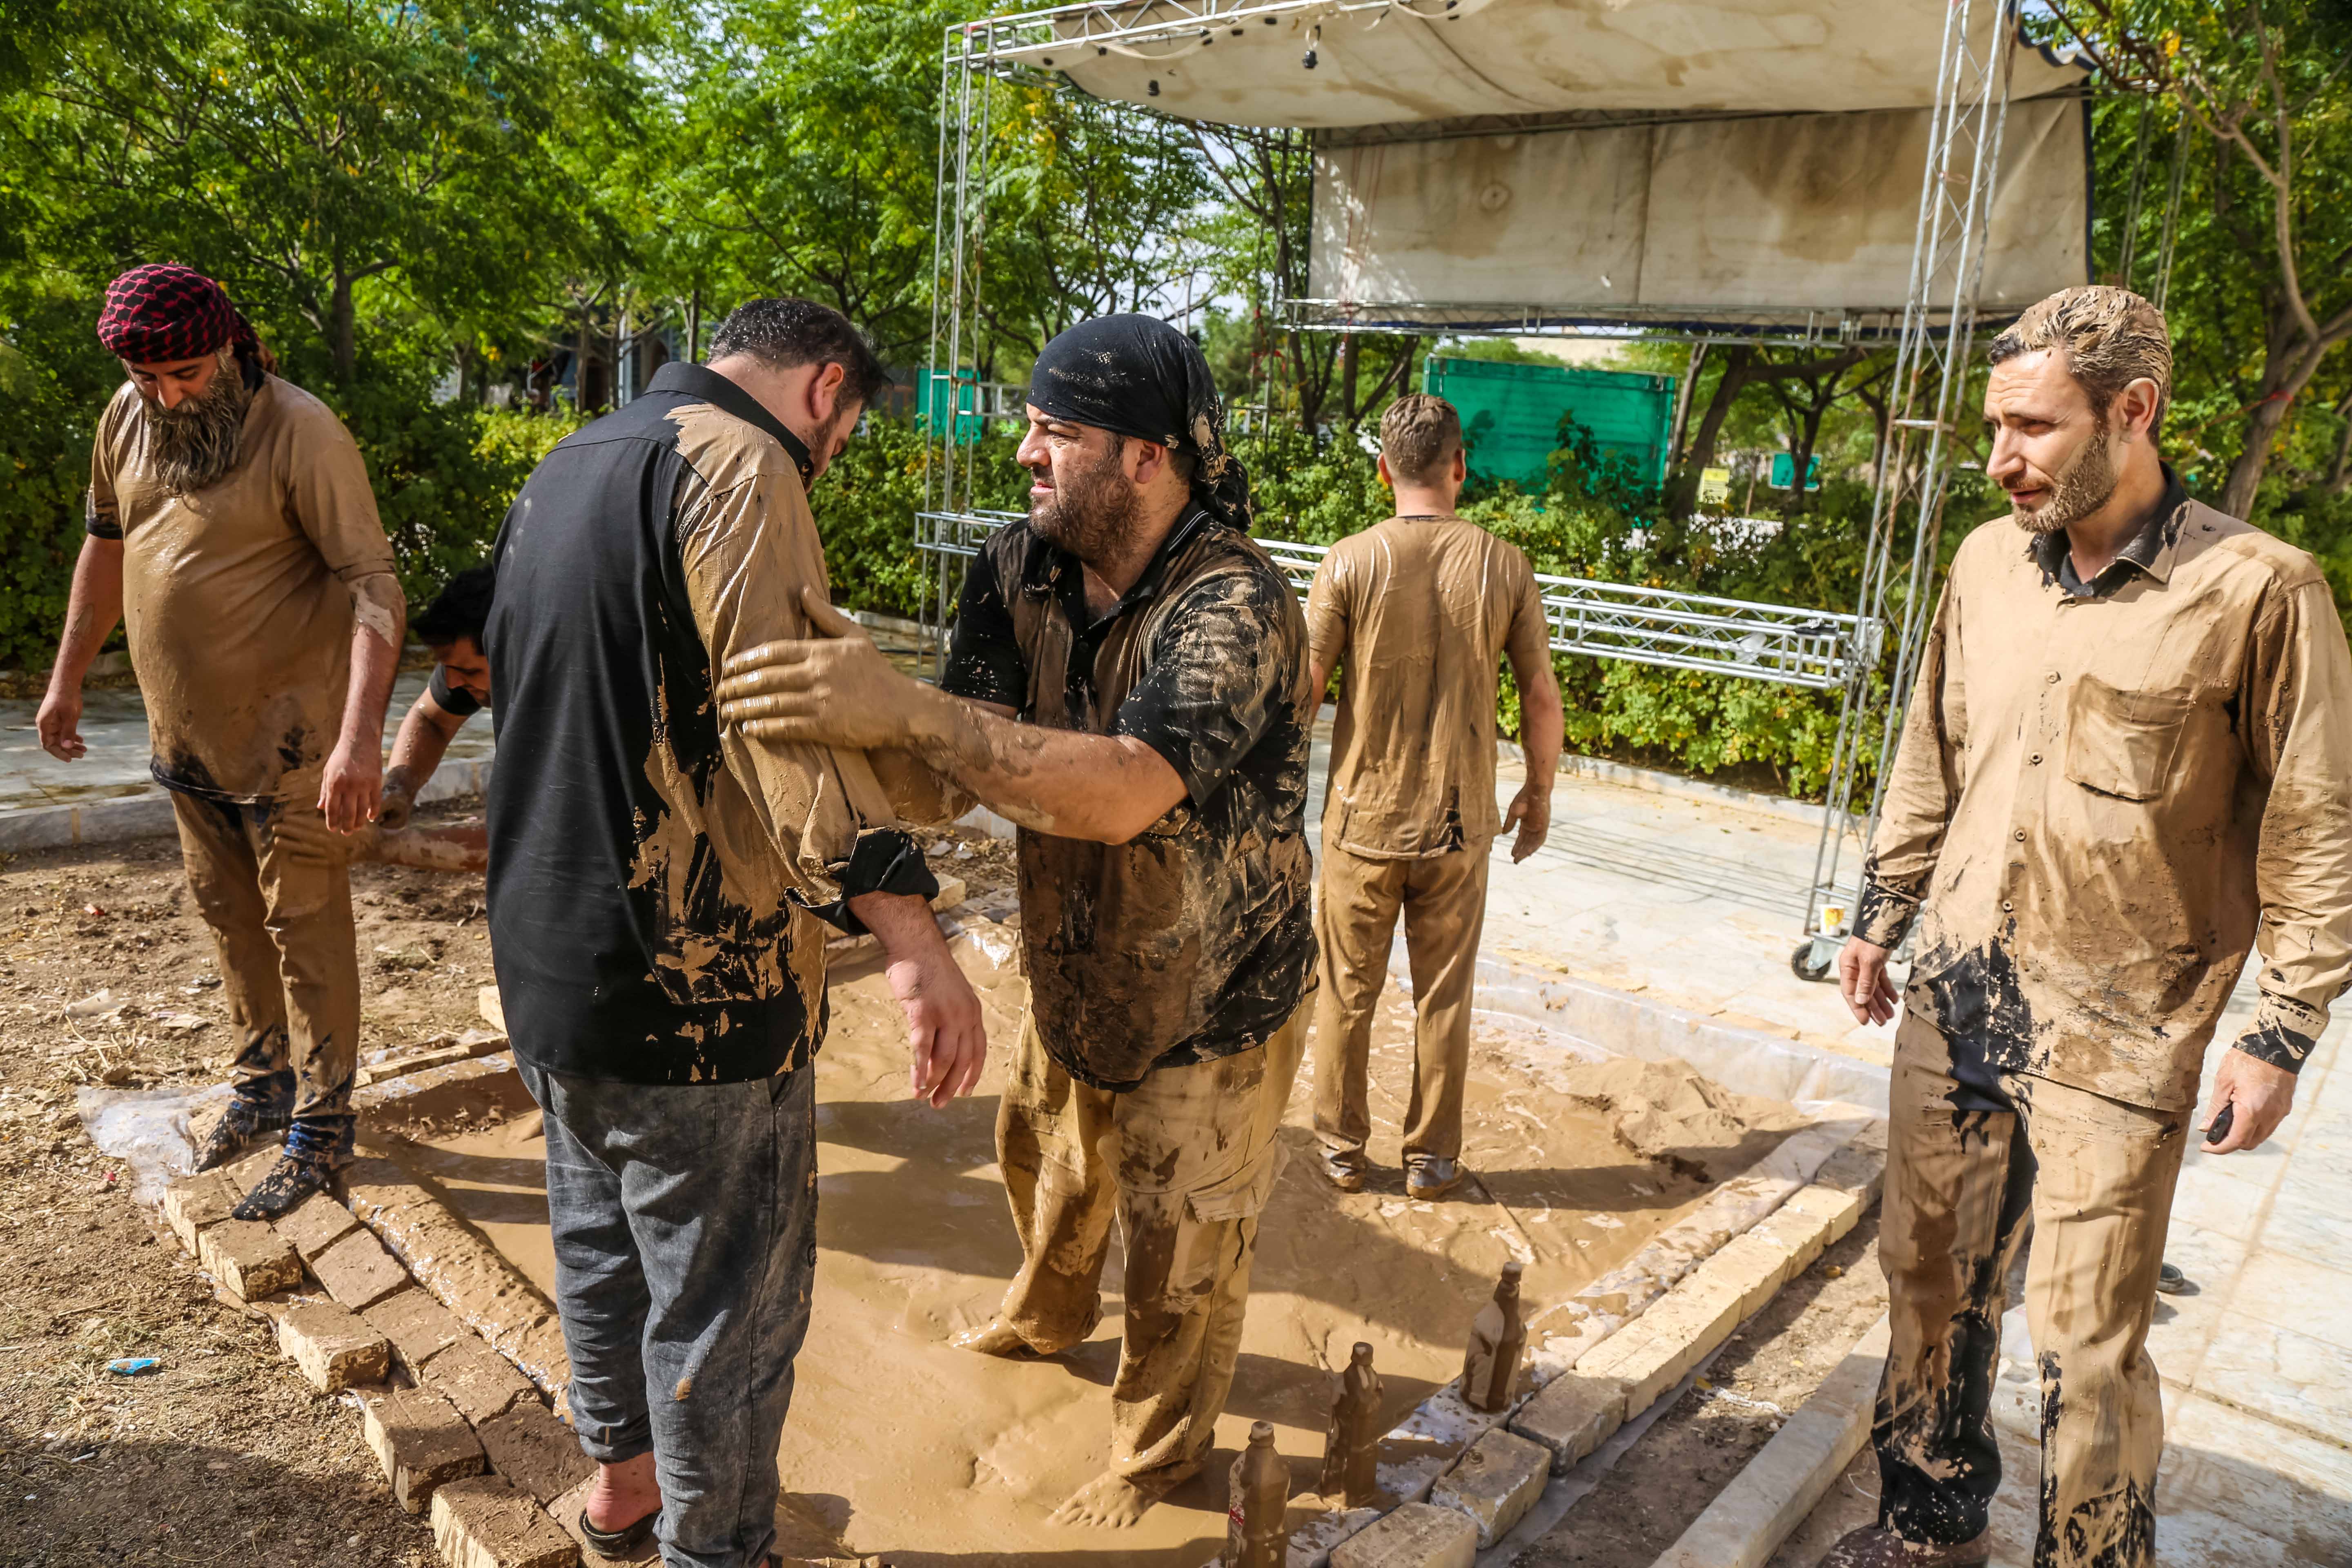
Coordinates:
(231, 524)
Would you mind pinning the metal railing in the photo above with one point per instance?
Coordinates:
(1781, 644)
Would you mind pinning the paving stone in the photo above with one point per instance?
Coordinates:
(1417, 1535)
(418, 1326)
(1841, 1209)
(1757, 1264)
(479, 1521)
(475, 1378)
(421, 1440)
(248, 1258)
(332, 1346)
(196, 1203)
(531, 1449)
(1652, 1353)
(1571, 1416)
(1495, 1482)
(566, 1510)
(316, 1224)
(358, 1272)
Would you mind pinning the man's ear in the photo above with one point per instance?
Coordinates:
(1460, 465)
(1387, 480)
(825, 391)
(2139, 406)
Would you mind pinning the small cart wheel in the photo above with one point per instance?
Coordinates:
(1805, 967)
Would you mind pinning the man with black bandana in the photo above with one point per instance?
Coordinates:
(1128, 681)
(2127, 761)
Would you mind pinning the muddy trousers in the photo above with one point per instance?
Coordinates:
(2096, 1177)
(684, 1218)
(281, 921)
(1185, 1162)
(1443, 899)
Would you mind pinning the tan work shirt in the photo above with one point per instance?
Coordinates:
(239, 598)
(2098, 792)
(1416, 611)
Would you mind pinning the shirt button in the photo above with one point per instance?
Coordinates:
(2051, 677)
(2007, 908)
(2019, 835)
(2035, 759)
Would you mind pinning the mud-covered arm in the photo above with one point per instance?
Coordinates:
(1327, 623)
(1922, 790)
(2295, 719)
(747, 551)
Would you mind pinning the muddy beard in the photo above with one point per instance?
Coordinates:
(1092, 512)
(2082, 488)
(194, 445)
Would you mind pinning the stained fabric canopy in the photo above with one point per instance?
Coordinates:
(1241, 62)
(1770, 221)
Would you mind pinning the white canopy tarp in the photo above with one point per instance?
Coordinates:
(1761, 219)
(1241, 62)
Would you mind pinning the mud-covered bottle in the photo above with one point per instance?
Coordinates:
(1351, 1451)
(1255, 1532)
(1498, 1338)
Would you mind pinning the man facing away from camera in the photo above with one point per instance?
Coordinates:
(1416, 614)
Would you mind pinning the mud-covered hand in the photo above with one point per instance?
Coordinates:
(946, 1035)
(59, 724)
(304, 835)
(2258, 1096)
(834, 689)
(1869, 995)
(1530, 812)
(354, 778)
(397, 805)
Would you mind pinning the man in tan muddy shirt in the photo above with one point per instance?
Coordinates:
(231, 521)
(1416, 613)
(2129, 750)
(1128, 681)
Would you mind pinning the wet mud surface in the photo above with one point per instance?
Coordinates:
(905, 1444)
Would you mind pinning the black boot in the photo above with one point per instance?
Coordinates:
(243, 1125)
(294, 1177)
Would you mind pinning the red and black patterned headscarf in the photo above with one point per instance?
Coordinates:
(166, 311)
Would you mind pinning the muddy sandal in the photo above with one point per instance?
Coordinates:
(622, 1543)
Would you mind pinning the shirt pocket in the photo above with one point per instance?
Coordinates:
(2124, 744)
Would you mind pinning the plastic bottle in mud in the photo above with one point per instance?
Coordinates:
(1352, 1449)
(1490, 1371)
(1256, 1533)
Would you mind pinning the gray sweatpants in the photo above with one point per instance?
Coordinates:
(685, 1228)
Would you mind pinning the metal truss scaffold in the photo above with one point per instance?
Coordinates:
(1774, 643)
(1930, 385)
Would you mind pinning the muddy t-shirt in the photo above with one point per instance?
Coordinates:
(1195, 940)
(660, 887)
(2103, 800)
(1416, 614)
(239, 598)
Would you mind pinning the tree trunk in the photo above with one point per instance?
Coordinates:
(1682, 405)
(580, 365)
(694, 326)
(2289, 362)
(2339, 472)
(1737, 362)
(1801, 457)
(1348, 378)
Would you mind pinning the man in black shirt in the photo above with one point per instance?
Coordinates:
(452, 627)
(661, 888)
(1129, 683)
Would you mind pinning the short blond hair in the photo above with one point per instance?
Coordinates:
(1419, 435)
(2110, 338)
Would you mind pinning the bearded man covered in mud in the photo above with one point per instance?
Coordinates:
(231, 523)
(2130, 748)
(1128, 682)
(661, 889)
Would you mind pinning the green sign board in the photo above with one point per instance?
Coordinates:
(1511, 414)
(1784, 466)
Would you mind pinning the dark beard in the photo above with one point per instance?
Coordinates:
(2083, 488)
(1091, 513)
(195, 444)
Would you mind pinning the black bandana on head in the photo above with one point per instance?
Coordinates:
(1139, 376)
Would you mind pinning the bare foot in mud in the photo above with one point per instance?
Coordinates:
(1112, 1502)
(998, 1339)
(622, 1494)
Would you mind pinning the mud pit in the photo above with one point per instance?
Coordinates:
(901, 1444)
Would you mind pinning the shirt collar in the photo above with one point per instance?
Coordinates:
(696, 380)
(2149, 549)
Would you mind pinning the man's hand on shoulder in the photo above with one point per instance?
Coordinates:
(832, 688)
(1869, 995)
